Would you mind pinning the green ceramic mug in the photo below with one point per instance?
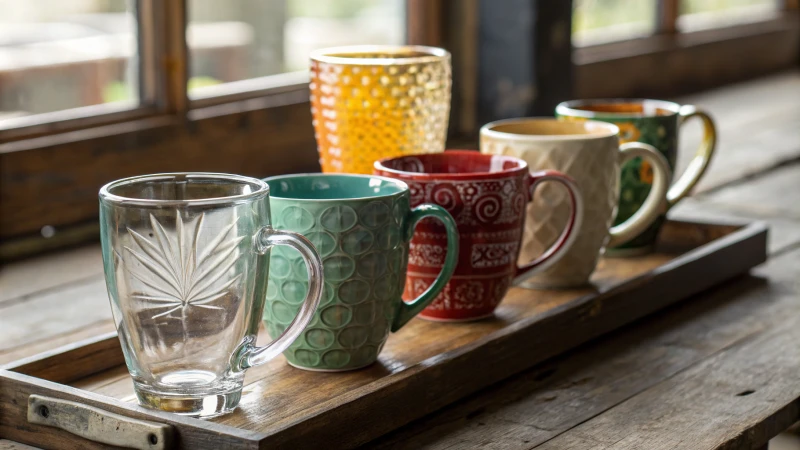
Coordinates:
(361, 225)
(653, 122)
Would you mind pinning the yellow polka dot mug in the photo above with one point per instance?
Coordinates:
(371, 102)
(653, 122)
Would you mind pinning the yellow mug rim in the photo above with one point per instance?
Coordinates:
(333, 55)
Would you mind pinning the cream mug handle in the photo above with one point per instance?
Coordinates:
(656, 201)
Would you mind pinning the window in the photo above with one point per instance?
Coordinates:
(705, 14)
(602, 21)
(95, 90)
(60, 55)
(665, 47)
(241, 40)
(599, 21)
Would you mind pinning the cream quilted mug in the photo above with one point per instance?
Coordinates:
(590, 153)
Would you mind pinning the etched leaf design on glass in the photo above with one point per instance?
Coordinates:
(177, 272)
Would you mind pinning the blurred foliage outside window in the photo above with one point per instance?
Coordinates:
(62, 54)
(276, 36)
(601, 21)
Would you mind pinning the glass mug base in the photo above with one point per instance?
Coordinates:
(203, 405)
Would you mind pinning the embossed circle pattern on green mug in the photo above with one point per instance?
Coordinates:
(361, 226)
(653, 122)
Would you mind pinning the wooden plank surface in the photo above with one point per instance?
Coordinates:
(776, 194)
(51, 301)
(5, 444)
(679, 380)
(69, 337)
(784, 234)
(738, 398)
(41, 318)
(756, 124)
(25, 279)
(773, 197)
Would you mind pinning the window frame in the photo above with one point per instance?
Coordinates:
(155, 83)
(671, 62)
(50, 172)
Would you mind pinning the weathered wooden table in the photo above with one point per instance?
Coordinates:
(721, 370)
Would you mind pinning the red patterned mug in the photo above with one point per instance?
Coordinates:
(487, 195)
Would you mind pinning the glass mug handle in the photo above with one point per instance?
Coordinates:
(248, 355)
(653, 205)
(406, 311)
(571, 230)
(699, 163)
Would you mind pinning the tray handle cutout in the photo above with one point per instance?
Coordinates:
(98, 425)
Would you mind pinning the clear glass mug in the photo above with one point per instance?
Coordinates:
(186, 259)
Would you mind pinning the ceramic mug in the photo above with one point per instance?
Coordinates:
(590, 153)
(361, 226)
(376, 101)
(653, 122)
(486, 195)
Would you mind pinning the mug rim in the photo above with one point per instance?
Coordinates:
(488, 131)
(570, 108)
(403, 187)
(330, 55)
(107, 196)
(455, 153)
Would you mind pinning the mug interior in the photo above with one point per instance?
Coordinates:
(618, 107)
(548, 128)
(399, 54)
(452, 163)
(379, 54)
(182, 187)
(333, 187)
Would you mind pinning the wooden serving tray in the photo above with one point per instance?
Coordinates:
(422, 368)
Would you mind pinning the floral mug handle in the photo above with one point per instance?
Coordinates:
(702, 158)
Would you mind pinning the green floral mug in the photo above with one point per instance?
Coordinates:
(653, 122)
(361, 225)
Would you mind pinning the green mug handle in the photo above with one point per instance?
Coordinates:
(699, 163)
(406, 311)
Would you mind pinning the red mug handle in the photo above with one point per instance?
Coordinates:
(567, 238)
